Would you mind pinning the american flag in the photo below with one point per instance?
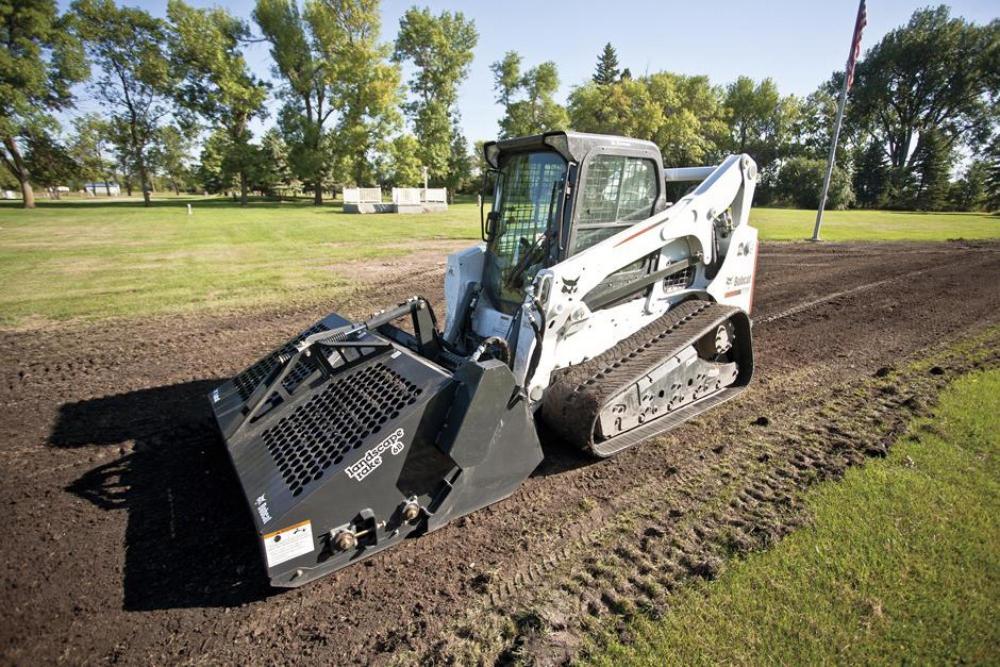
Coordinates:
(859, 27)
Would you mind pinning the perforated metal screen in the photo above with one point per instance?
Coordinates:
(248, 380)
(318, 434)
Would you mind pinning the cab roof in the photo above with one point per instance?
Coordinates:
(571, 145)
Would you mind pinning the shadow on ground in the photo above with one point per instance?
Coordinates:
(189, 541)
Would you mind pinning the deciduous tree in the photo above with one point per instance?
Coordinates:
(40, 60)
(300, 59)
(52, 165)
(800, 181)
(968, 193)
(681, 114)
(128, 46)
(402, 167)
(207, 57)
(929, 80)
(440, 49)
(528, 98)
(761, 121)
(169, 157)
(365, 85)
(91, 149)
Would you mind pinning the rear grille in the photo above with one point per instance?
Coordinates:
(248, 380)
(321, 431)
(679, 280)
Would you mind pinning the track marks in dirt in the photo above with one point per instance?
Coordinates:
(663, 534)
(112, 477)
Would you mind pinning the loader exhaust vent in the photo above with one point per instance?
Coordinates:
(321, 431)
(248, 380)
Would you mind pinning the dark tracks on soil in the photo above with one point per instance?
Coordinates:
(126, 539)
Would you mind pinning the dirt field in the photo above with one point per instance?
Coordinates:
(126, 539)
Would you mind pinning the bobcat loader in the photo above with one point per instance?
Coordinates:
(592, 303)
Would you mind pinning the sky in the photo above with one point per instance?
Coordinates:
(798, 43)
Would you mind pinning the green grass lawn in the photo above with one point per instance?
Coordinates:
(901, 564)
(85, 259)
(93, 258)
(779, 224)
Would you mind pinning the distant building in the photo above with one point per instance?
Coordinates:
(106, 189)
(8, 194)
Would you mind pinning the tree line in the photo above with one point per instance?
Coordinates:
(921, 129)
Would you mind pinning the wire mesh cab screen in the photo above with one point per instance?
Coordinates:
(526, 203)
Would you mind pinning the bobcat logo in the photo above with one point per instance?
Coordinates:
(744, 249)
(261, 504)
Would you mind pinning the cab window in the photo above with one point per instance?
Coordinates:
(617, 192)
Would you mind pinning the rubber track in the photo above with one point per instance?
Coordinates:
(574, 400)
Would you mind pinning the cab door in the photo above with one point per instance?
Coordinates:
(616, 190)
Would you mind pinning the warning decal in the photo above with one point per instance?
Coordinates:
(288, 543)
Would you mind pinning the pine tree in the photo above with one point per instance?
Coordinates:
(993, 175)
(933, 165)
(607, 66)
(871, 173)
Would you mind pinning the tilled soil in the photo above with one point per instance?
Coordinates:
(127, 540)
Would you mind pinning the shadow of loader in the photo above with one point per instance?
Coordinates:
(189, 540)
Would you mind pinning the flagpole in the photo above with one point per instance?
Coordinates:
(836, 136)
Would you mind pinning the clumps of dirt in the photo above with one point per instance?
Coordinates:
(635, 562)
(107, 454)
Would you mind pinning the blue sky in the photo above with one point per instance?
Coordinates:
(797, 43)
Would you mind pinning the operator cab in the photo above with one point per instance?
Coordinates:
(557, 194)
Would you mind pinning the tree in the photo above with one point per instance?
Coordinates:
(812, 129)
(215, 82)
(992, 184)
(607, 66)
(301, 60)
(273, 172)
(693, 130)
(871, 176)
(51, 163)
(90, 148)
(124, 162)
(332, 63)
(968, 193)
(682, 115)
(529, 107)
(128, 46)
(7, 180)
(40, 60)
(211, 172)
(459, 164)
(800, 181)
(402, 167)
(440, 50)
(760, 121)
(932, 166)
(927, 80)
(169, 156)
(366, 86)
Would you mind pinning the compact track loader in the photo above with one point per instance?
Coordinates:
(593, 304)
